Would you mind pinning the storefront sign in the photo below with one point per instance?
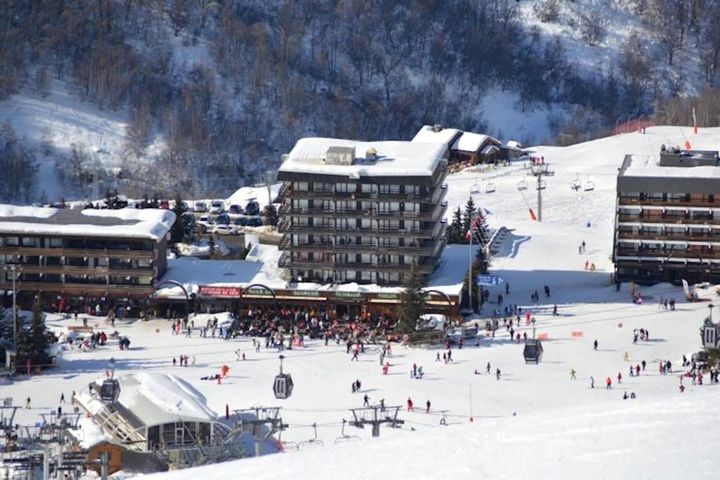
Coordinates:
(349, 295)
(388, 296)
(258, 292)
(219, 292)
(306, 293)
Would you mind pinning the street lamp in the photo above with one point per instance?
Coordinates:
(710, 307)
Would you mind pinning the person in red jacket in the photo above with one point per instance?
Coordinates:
(409, 404)
(608, 383)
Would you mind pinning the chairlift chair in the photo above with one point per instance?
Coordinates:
(313, 442)
(589, 186)
(522, 185)
(109, 390)
(344, 437)
(542, 184)
(490, 188)
(475, 188)
(576, 184)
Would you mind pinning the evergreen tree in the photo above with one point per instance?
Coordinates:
(468, 215)
(270, 215)
(33, 343)
(412, 303)
(454, 231)
(481, 237)
(177, 231)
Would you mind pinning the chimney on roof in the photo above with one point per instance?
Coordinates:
(371, 154)
(437, 127)
(340, 156)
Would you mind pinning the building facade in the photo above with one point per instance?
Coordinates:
(667, 224)
(70, 255)
(362, 212)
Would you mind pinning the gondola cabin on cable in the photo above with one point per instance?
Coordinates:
(533, 351)
(283, 385)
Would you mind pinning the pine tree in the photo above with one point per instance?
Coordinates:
(33, 344)
(454, 231)
(481, 237)
(467, 218)
(177, 232)
(412, 303)
(270, 215)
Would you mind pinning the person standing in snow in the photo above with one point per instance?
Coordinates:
(427, 406)
(487, 369)
(27, 403)
(572, 374)
(592, 382)
(497, 374)
(608, 383)
(366, 401)
(409, 404)
(595, 345)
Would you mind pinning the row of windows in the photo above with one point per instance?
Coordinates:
(86, 244)
(344, 187)
(77, 279)
(354, 206)
(341, 276)
(90, 262)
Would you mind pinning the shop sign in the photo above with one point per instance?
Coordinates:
(258, 292)
(219, 292)
(349, 295)
(306, 293)
(388, 296)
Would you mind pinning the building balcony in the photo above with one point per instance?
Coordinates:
(692, 237)
(82, 288)
(425, 213)
(84, 270)
(667, 220)
(332, 264)
(665, 255)
(77, 252)
(431, 232)
(632, 201)
(427, 197)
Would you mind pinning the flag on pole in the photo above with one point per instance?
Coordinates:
(474, 226)
(695, 129)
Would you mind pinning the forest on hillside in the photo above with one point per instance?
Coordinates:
(275, 71)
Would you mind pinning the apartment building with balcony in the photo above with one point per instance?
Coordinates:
(364, 212)
(91, 255)
(667, 225)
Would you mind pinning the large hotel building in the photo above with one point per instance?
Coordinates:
(667, 224)
(93, 255)
(365, 212)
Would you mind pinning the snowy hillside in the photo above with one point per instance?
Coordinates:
(534, 421)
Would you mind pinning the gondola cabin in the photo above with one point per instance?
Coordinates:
(283, 386)
(533, 351)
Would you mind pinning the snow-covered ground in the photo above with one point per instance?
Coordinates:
(535, 422)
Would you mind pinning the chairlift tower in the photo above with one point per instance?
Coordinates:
(376, 416)
(253, 419)
(540, 170)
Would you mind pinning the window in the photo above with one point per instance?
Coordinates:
(301, 186)
(10, 241)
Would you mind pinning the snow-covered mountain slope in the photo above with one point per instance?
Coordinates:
(638, 439)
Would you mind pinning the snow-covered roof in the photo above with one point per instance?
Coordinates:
(127, 222)
(260, 266)
(472, 142)
(430, 134)
(649, 166)
(157, 398)
(393, 159)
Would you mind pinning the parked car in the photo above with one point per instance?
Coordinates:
(200, 207)
(206, 220)
(252, 208)
(164, 205)
(223, 219)
(235, 210)
(217, 206)
(225, 230)
(254, 222)
(241, 221)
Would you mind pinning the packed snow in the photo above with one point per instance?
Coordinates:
(530, 421)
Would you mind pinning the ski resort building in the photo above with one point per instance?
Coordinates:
(667, 224)
(463, 147)
(151, 411)
(82, 256)
(363, 212)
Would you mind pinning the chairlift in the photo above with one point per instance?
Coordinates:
(576, 184)
(475, 188)
(283, 385)
(533, 351)
(589, 186)
(490, 188)
(109, 390)
(313, 442)
(522, 185)
(286, 445)
(345, 437)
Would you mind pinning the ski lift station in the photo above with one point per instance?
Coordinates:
(149, 411)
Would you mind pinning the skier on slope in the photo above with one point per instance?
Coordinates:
(409, 404)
